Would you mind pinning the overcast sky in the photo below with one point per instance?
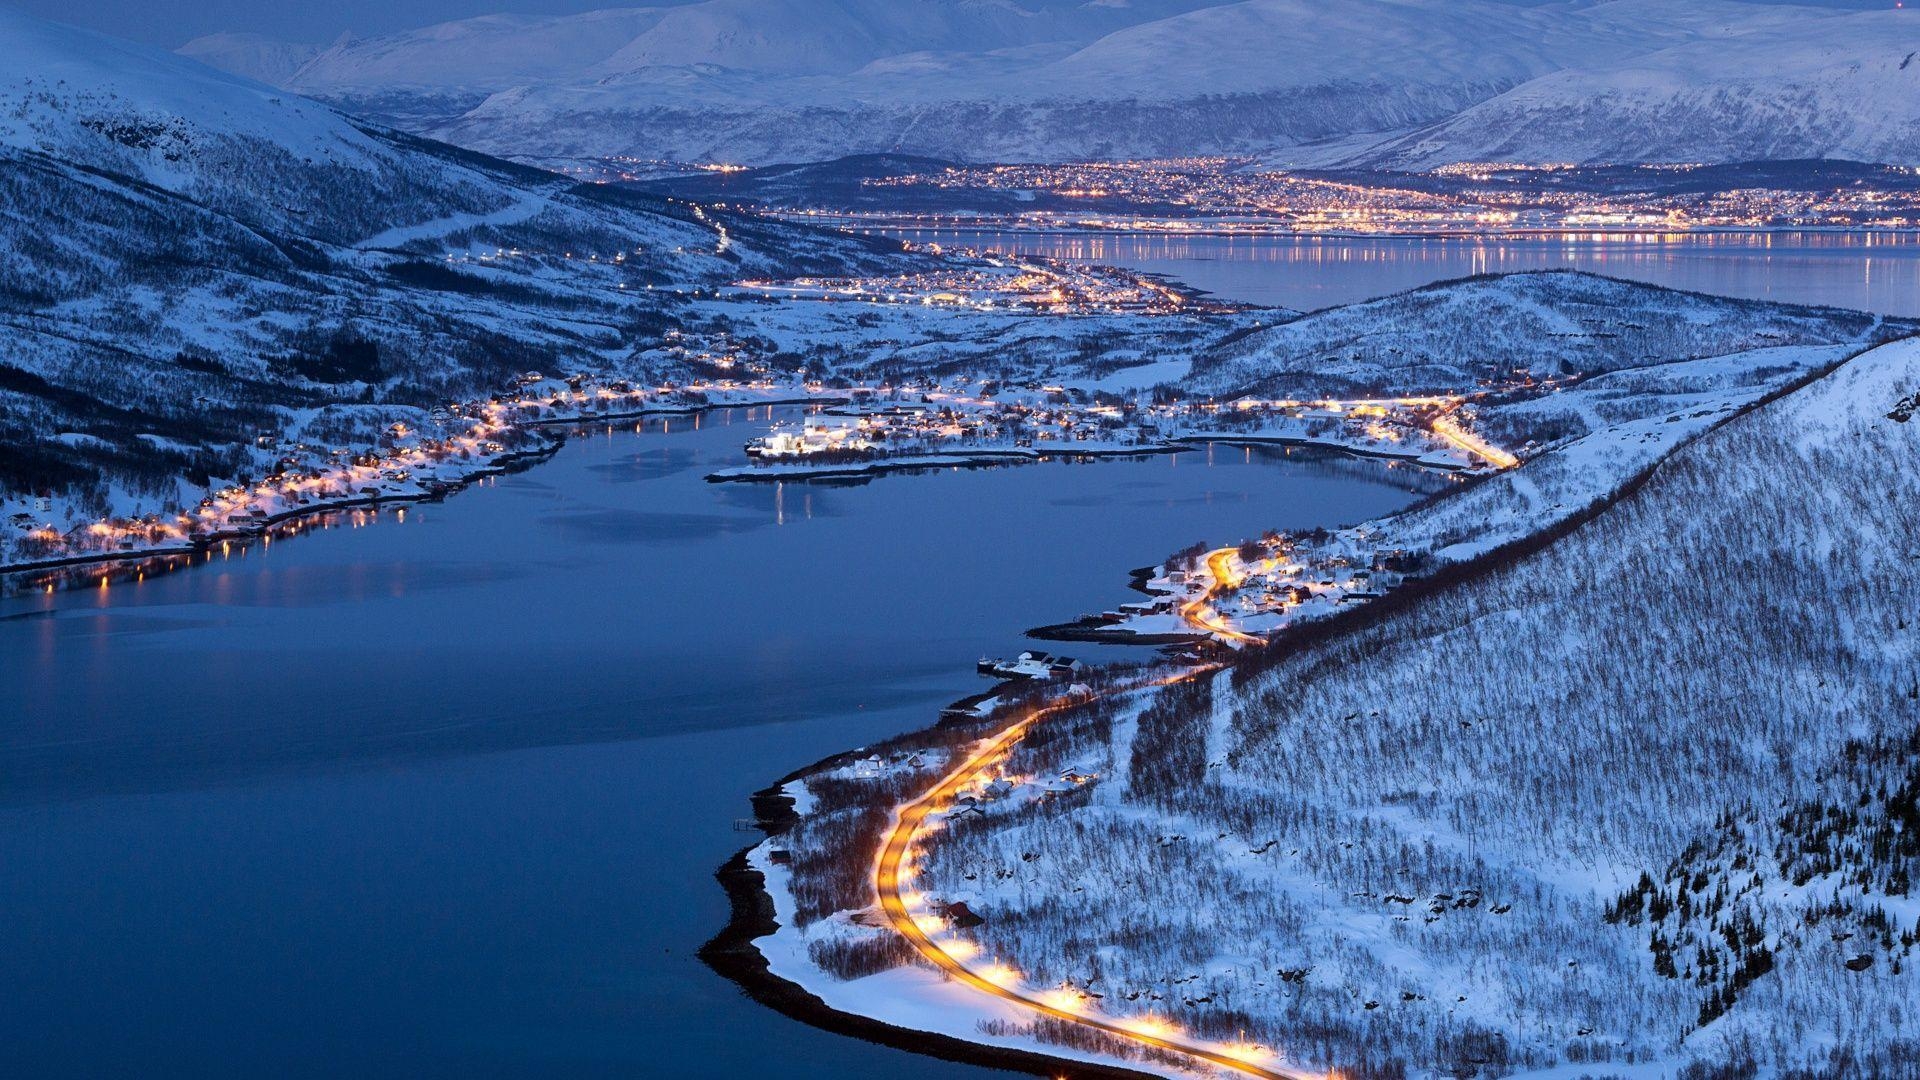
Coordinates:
(173, 22)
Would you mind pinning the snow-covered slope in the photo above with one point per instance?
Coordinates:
(1828, 86)
(1420, 845)
(250, 56)
(1394, 81)
(1451, 336)
(192, 256)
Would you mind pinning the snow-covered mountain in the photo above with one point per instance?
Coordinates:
(193, 259)
(1392, 82)
(1831, 86)
(1638, 803)
(251, 56)
(1450, 336)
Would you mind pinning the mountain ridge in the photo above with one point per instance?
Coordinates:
(1371, 83)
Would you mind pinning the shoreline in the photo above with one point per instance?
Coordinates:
(972, 459)
(499, 466)
(732, 954)
(985, 225)
(1099, 633)
(1347, 449)
(991, 457)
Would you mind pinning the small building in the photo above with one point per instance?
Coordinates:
(959, 915)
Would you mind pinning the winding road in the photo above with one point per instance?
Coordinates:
(910, 913)
(1200, 612)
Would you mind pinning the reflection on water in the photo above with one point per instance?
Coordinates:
(104, 576)
(442, 797)
(1871, 271)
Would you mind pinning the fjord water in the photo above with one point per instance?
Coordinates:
(442, 796)
(1877, 272)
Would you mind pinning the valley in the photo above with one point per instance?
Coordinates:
(451, 478)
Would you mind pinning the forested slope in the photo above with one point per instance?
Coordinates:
(1644, 796)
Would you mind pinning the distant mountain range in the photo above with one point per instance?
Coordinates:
(1399, 83)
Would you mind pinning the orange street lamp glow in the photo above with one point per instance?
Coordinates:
(1000, 974)
(1064, 1000)
(1153, 1027)
(1247, 1052)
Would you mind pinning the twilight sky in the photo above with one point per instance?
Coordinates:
(174, 22)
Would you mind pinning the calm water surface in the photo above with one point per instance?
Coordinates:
(441, 797)
(1869, 271)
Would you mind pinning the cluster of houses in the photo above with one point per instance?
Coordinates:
(1291, 578)
(995, 284)
(943, 423)
(1034, 419)
(972, 801)
(1306, 572)
(1033, 664)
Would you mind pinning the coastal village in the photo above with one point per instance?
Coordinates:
(995, 283)
(359, 455)
(920, 425)
(1244, 594)
(849, 431)
(368, 454)
(411, 460)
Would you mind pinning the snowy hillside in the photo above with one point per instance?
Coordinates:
(1452, 336)
(1350, 82)
(250, 56)
(196, 259)
(1829, 87)
(1640, 799)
